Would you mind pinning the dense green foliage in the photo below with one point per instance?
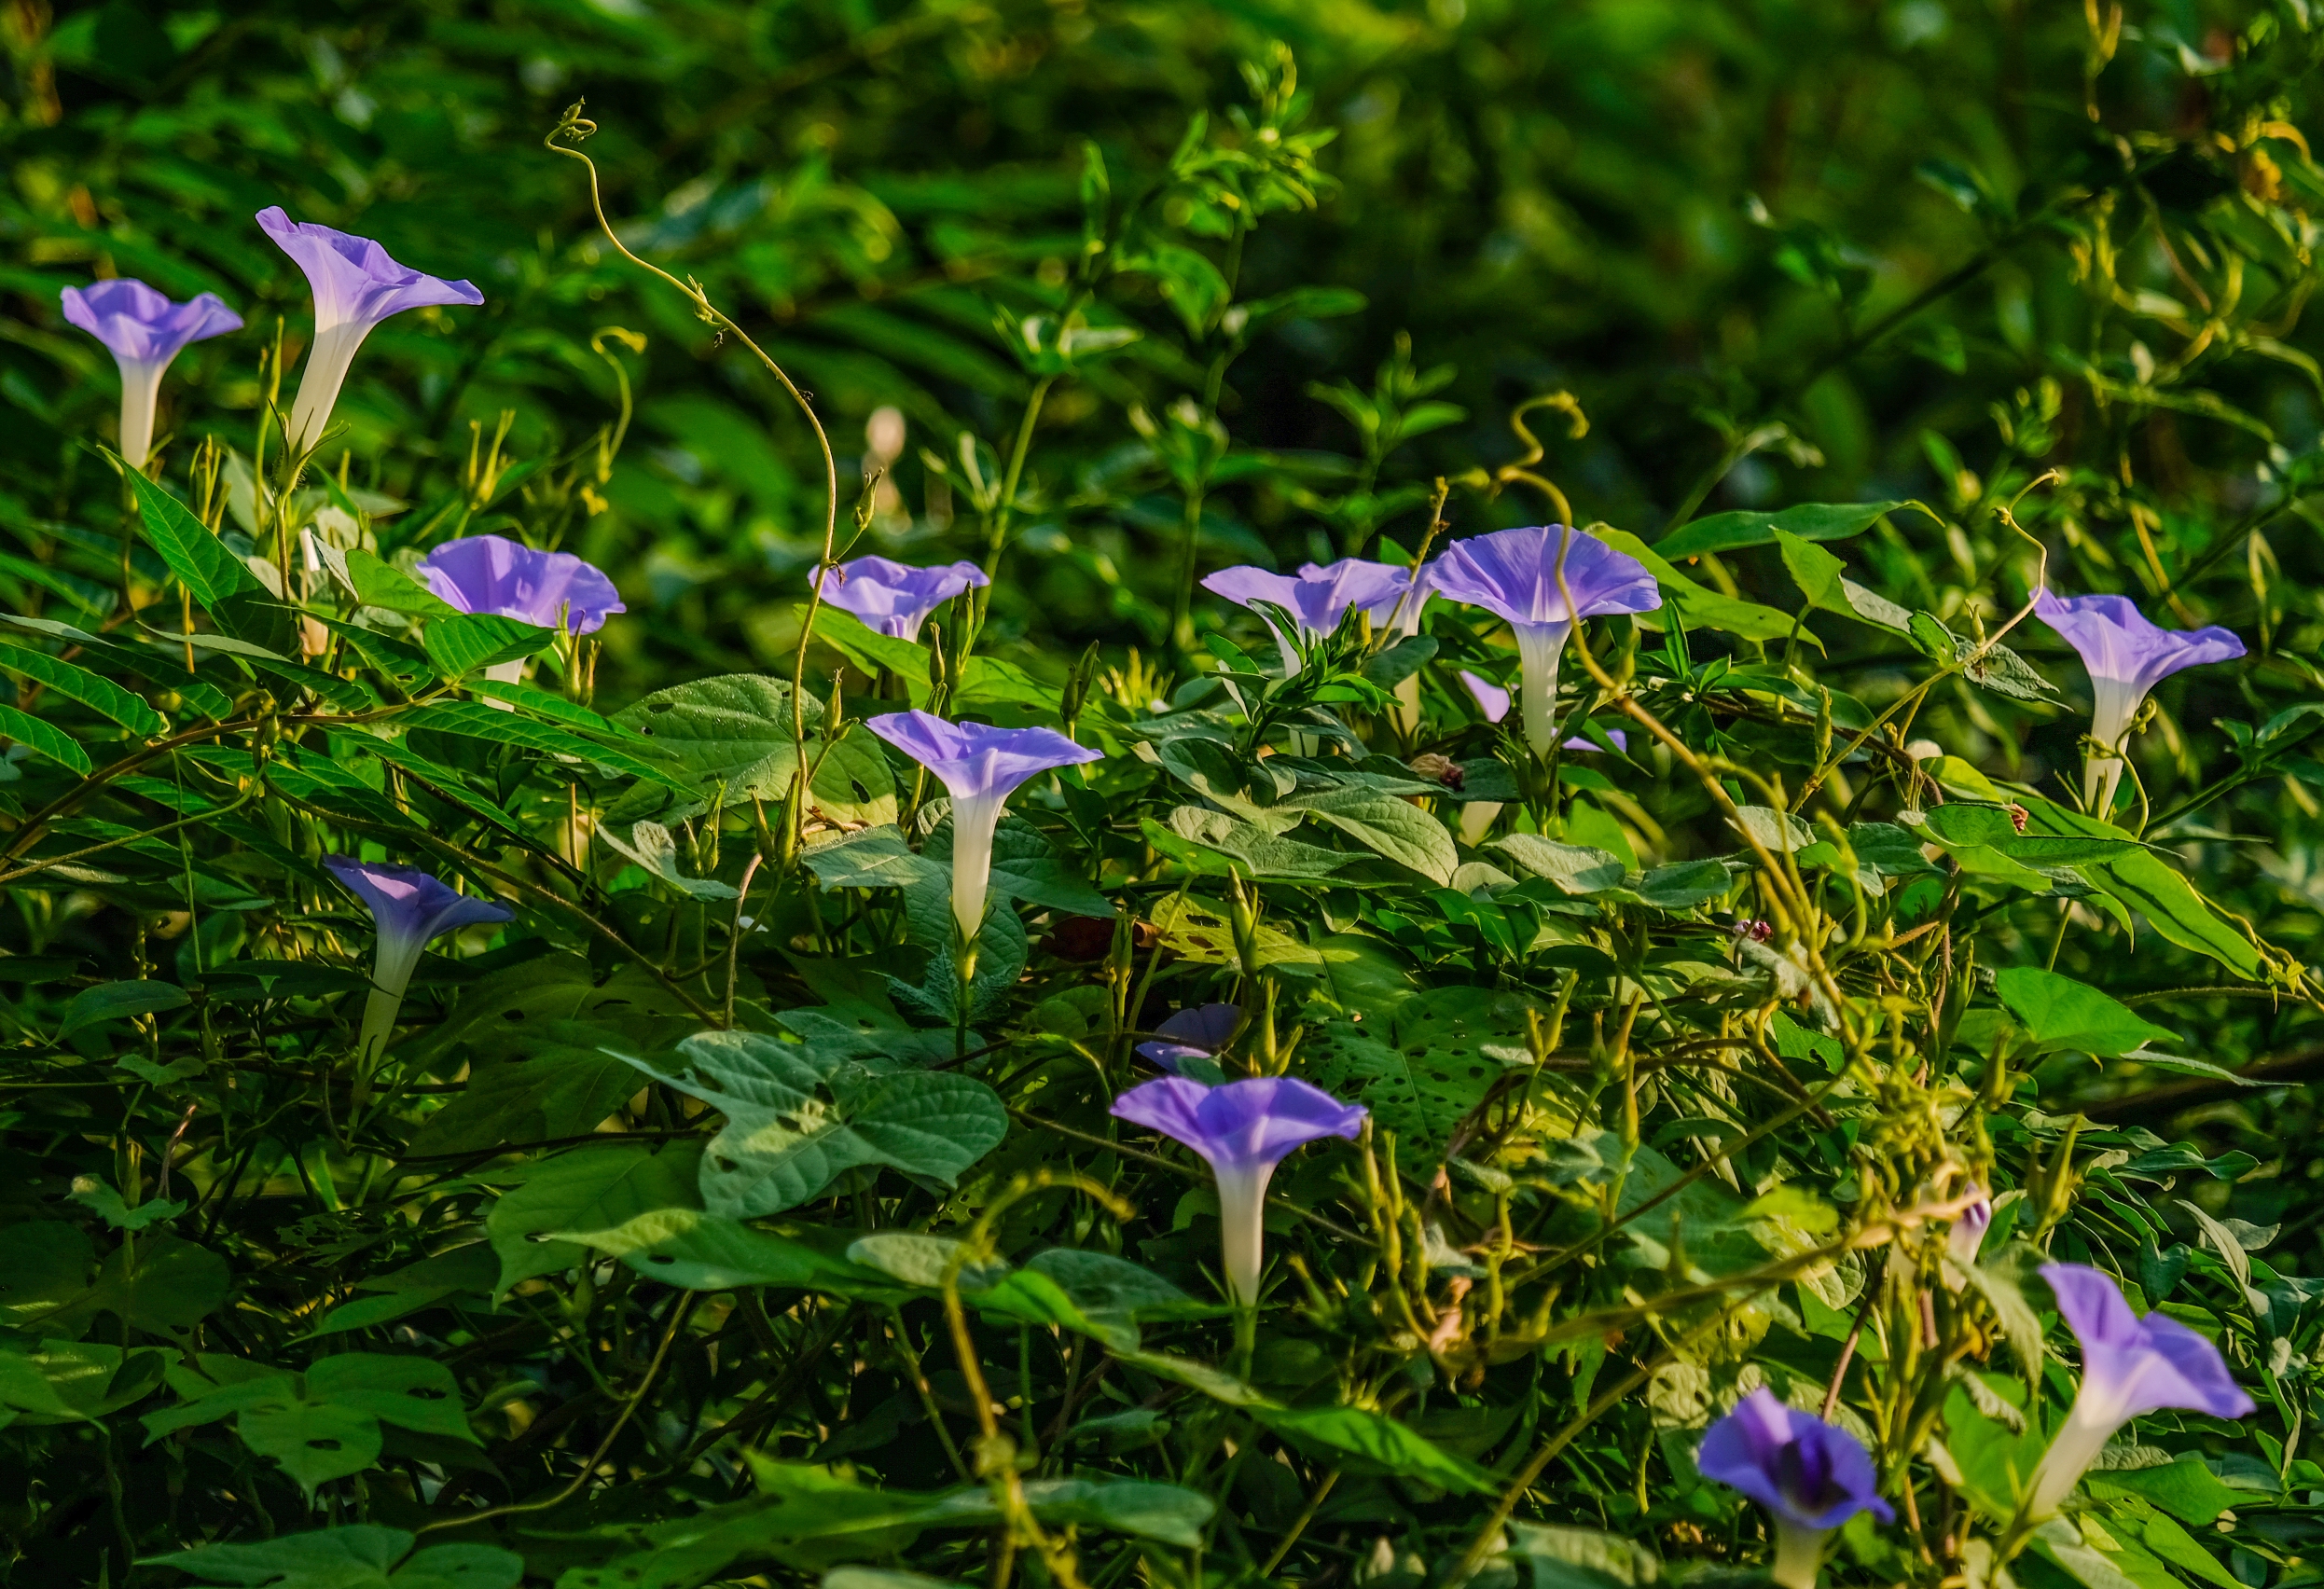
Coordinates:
(698, 1224)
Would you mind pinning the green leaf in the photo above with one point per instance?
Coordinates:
(2186, 1489)
(876, 858)
(734, 733)
(472, 719)
(416, 1393)
(1377, 1442)
(2059, 1013)
(702, 1251)
(1699, 607)
(1991, 666)
(106, 1202)
(44, 1263)
(1803, 522)
(549, 1006)
(2059, 1541)
(1422, 1069)
(796, 1121)
(1815, 571)
(59, 747)
(1026, 866)
(591, 1188)
(1257, 852)
(2170, 904)
(1578, 869)
(473, 1270)
(2175, 1545)
(209, 572)
(377, 584)
(118, 1001)
(160, 1285)
(1393, 829)
(1582, 1558)
(358, 1556)
(652, 848)
(872, 651)
(354, 1558)
(100, 695)
(469, 643)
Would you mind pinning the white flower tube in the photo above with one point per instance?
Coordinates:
(2129, 1366)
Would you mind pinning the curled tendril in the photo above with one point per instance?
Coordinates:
(573, 124)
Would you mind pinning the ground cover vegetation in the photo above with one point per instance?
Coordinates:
(986, 792)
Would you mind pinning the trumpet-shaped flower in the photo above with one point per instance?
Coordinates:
(356, 286)
(508, 579)
(1405, 602)
(143, 331)
(1969, 1231)
(1244, 1129)
(2129, 1366)
(1810, 1476)
(491, 573)
(410, 908)
(982, 767)
(895, 598)
(1318, 596)
(1491, 698)
(1515, 574)
(2128, 656)
(1195, 1032)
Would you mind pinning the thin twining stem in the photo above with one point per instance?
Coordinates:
(574, 126)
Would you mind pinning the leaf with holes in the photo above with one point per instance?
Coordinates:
(797, 1120)
(1426, 1068)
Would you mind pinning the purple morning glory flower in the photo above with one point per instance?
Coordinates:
(411, 907)
(1244, 1129)
(491, 573)
(1195, 1032)
(1405, 599)
(1810, 1476)
(1514, 574)
(1491, 698)
(2128, 656)
(356, 286)
(982, 767)
(1969, 1231)
(2129, 1366)
(1318, 598)
(895, 598)
(143, 331)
